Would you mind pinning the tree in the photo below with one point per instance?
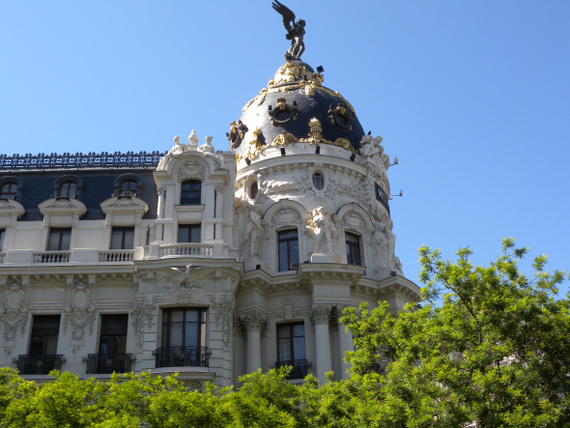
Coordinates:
(496, 352)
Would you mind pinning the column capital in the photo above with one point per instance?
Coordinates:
(320, 314)
(253, 321)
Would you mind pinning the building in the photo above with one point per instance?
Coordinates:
(209, 264)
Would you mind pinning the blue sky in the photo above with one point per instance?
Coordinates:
(472, 96)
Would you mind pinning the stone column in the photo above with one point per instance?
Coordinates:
(219, 214)
(160, 211)
(320, 315)
(254, 323)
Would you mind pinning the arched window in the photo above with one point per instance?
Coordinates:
(318, 180)
(128, 188)
(9, 190)
(191, 193)
(68, 186)
(68, 189)
(128, 185)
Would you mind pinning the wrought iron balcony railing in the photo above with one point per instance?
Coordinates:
(39, 364)
(107, 364)
(299, 368)
(182, 356)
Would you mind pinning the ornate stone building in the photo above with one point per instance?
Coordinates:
(209, 264)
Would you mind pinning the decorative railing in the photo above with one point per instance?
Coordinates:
(299, 368)
(182, 356)
(80, 160)
(186, 249)
(116, 256)
(51, 257)
(107, 364)
(39, 364)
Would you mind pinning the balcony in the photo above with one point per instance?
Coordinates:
(187, 250)
(116, 256)
(51, 257)
(182, 356)
(108, 364)
(39, 364)
(299, 368)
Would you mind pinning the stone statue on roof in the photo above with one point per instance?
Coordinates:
(295, 31)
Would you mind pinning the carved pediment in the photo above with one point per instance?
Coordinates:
(62, 206)
(10, 206)
(122, 204)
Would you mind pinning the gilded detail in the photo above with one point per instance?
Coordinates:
(315, 133)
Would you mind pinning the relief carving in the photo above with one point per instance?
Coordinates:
(323, 231)
(224, 316)
(79, 314)
(14, 314)
(142, 314)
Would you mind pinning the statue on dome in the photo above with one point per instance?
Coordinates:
(295, 31)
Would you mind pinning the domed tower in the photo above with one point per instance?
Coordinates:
(314, 227)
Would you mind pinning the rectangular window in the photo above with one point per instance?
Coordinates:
(45, 333)
(189, 233)
(183, 341)
(191, 193)
(2, 234)
(353, 249)
(291, 348)
(59, 239)
(113, 336)
(112, 357)
(288, 250)
(122, 238)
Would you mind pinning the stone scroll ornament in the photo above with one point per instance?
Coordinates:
(295, 31)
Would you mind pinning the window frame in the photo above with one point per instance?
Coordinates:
(289, 243)
(167, 327)
(190, 227)
(62, 231)
(318, 180)
(2, 237)
(123, 230)
(185, 195)
(68, 189)
(46, 337)
(293, 352)
(353, 249)
(109, 330)
(13, 192)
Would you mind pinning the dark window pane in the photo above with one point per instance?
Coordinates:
(68, 190)
(59, 239)
(189, 233)
(290, 342)
(191, 193)
(288, 250)
(45, 332)
(122, 238)
(2, 233)
(128, 187)
(9, 191)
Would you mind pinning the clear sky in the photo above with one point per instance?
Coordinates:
(472, 96)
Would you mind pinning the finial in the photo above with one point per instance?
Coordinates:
(295, 31)
(193, 138)
(176, 140)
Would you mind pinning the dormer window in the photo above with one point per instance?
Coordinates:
(68, 186)
(128, 188)
(68, 189)
(191, 193)
(9, 190)
(128, 185)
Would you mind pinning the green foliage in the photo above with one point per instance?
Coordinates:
(495, 352)
(485, 346)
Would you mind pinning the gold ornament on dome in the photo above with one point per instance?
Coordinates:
(284, 139)
(283, 113)
(315, 133)
(256, 145)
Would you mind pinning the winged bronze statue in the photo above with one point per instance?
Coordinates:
(295, 31)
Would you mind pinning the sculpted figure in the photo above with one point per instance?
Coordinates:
(253, 231)
(381, 242)
(207, 148)
(322, 228)
(176, 150)
(295, 31)
(373, 150)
